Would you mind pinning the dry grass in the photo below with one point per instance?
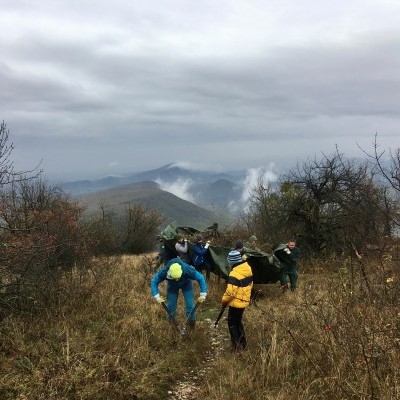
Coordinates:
(317, 343)
(116, 344)
(322, 342)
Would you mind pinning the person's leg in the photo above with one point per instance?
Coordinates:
(293, 276)
(232, 327)
(282, 278)
(243, 340)
(188, 296)
(207, 267)
(172, 301)
(236, 329)
(189, 304)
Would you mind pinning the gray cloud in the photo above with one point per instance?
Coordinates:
(128, 86)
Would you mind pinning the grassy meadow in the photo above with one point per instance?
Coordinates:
(334, 338)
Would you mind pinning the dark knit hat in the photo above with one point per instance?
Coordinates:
(234, 257)
(239, 245)
(199, 237)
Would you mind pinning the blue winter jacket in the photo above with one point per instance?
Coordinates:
(188, 274)
(199, 254)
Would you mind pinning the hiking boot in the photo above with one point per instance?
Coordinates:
(238, 349)
(191, 324)
(284, 288)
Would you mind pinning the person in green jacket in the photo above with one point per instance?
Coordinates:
(252, 243)
(288, 254)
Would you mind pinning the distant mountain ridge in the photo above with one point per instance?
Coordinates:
(116, 200)
(214, 196)
(211, 190)
(171, 172)
(180, 193)
(167, 173)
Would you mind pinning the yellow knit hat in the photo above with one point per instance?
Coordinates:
(175, 271)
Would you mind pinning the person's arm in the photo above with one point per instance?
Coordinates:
(202, 282)
(201, 250)
(228, 296)
(181, 248)
(195, 248)
(295, 254)
(194, 275)
(159, 277)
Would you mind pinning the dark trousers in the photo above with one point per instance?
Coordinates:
(204, 267)
(236, 329)
(291, 272)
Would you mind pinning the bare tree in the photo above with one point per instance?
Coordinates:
(140, 228)
(7, 171)
(40, 237)
(340, 202)
(386, 164)
(327, 203)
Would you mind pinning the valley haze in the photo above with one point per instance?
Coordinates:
(214, 196)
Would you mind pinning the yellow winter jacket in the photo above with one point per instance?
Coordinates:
(240, 283)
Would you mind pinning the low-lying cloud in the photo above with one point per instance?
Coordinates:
(254, 177)
(179, 188)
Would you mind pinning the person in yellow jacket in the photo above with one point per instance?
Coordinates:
(237, 297)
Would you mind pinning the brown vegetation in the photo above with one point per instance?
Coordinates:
(108, 339)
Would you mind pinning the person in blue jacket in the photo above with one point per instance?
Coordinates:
(179, 276)
(200, 255)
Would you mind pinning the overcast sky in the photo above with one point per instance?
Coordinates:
(94, 88)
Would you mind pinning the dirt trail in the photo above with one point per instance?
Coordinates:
(187, 388)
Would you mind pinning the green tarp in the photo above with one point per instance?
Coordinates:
(265, 266)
